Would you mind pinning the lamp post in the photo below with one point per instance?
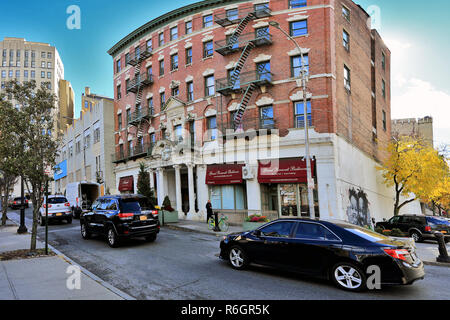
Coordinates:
(304, 78)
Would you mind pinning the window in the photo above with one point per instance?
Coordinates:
(189, 56)
(119, 92)
(190, 91)
(161, 39)
(78, 147)
(17, 73)
(211, 125)
(49, 75)
(43, 64)
(149, 45)
(384, 121)
(33, 64)
(314, 231)
(346, 13)
(43, 54)
(137, 53)
(87, 141)
(174, 33)
(207, 21)
(127, 58)
(118, 66)
(119, 121)
(174, 62)
(152, 138)
(33, 74)
(262, 33)
(296, 65)
(128, 115)
(297, 4)
(161, 68)
(383, 61)
(266, 117)
(383, 88)
(347, 81)
(25, 74)
(26, 64)
(299, 114)
(209, 86)
(150, 104)
(4, 53)
(261, 7)
(281, 229)
(178, 130)
(3, 74)
(188, 27)
(232, 14)
(49, 55)
(208, 49)
(228, 197)
(162, 98)
(43, 74)
(49, 65)
(263, 69)
(11, 74)
(175, 91)
(298, 28)
(346, 42)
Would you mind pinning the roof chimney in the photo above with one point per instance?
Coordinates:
(87, 91)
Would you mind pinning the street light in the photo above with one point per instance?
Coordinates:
(304, 78)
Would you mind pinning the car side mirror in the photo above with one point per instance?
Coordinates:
(257, 233)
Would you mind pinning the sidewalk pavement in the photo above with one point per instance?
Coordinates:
(427, 252)
(45, 278)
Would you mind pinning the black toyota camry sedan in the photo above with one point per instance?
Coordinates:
(338, 251)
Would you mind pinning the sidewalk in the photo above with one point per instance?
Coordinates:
(44, 278)
(427, 252)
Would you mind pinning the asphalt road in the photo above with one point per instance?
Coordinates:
(184, 266)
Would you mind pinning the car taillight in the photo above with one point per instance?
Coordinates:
(427, 228)
(154, 212)
(15, 202)
(397, 253)
(126, 216)
(49, 206)
(67, 204)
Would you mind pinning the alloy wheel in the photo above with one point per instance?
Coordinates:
(111, 237)
(348, 277)
(237, 258)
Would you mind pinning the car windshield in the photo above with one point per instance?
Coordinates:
(135, 205)
(366, 234)
(438, 221)
(57, 200)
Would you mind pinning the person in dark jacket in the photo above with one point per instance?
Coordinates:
(209, 211)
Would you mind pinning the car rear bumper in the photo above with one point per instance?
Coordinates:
(54, 217)
(140, 231)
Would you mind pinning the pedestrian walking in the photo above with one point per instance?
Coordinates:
(209, 211)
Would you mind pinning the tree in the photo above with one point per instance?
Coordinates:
(10, 152)
(34, 128)
(143, 184)
(414, 169)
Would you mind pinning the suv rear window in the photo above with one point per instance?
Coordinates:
(135, 205)
(57, 200)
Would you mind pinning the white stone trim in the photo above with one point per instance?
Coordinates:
(119, 111)
(174, 84)
(189, 78)
(296, 52)
(230, 31)
(149, 95)
(160, 58)
(162, 89)
(298, 96)
(208, 72)
(128, 107)
(233, 107)
(208, 38)
(118, 83)
(297, 18)
(261, 24)
(231, 65)
(264, 101)
(230, 7)
(127, 77)
(130, 138)
(121, 141)
(188, 45)
(173, 51)
(151, 130)
(149, 64)
(210, 112)
(261, 58)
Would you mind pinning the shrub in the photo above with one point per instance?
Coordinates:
(256, 218)
(167, 206)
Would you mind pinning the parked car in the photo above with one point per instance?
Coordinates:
(119, 217)
(419, 227)
(337, 251)
(58, 210)
(81, 196)
(16, 203)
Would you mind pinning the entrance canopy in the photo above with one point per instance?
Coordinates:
(223, 174)
(292, 170)
(126, 184)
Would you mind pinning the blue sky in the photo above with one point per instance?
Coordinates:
(417, 35)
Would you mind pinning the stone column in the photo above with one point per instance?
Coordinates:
(178, 188)
(191, 189)
(161, 187)
(152, 179)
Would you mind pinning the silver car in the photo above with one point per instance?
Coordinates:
(58, 210)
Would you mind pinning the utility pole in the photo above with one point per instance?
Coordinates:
(304, 79)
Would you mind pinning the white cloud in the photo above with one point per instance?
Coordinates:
(418, 99)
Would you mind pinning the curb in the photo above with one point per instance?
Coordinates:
(436, 264)
(103, 283)
(172, 227)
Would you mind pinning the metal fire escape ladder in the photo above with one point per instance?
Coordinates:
(243, 105)
(240, 28)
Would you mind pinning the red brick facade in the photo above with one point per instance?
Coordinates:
(334, 110)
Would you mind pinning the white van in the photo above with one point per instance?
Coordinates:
(81, 195)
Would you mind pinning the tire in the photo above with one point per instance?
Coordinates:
(85, 234)
(224, 226)
(238, 258)
(347, 276)
(151, 238)
(211, 223)
(416, 236)
(111, 238)
(69, 221)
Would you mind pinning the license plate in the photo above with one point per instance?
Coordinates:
(143, 218)
(443, 231)
(59, 214)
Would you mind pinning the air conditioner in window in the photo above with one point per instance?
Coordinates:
(247, 173)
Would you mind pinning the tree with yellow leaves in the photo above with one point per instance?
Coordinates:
(415, 170)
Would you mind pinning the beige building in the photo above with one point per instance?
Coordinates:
(66, 105)
(419, 128)
(87, 146)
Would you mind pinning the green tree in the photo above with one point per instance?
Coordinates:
(34, 127)
(143, 184)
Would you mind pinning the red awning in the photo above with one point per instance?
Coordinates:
(284, 171)
(126, 184)
(222, 174)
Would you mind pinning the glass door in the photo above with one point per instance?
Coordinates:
(289, 200)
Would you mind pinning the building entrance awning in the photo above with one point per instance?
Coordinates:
(223, 174)
(291, 170)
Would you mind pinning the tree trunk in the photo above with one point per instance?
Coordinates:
(36, 199)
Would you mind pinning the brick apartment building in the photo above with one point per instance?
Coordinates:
(181, 78)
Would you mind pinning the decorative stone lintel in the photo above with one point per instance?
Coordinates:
(297, 17)
(128, 107)
(189, 78)
(208, 72)
(210, 112)
(299, 96)
(264, 101)
(261, 58)
(296, 52)
(233, 107)
(162, 89)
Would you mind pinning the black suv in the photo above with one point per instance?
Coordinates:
(419, 227)
(119, 217)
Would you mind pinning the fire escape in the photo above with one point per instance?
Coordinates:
(141, 116)
(238, 81)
